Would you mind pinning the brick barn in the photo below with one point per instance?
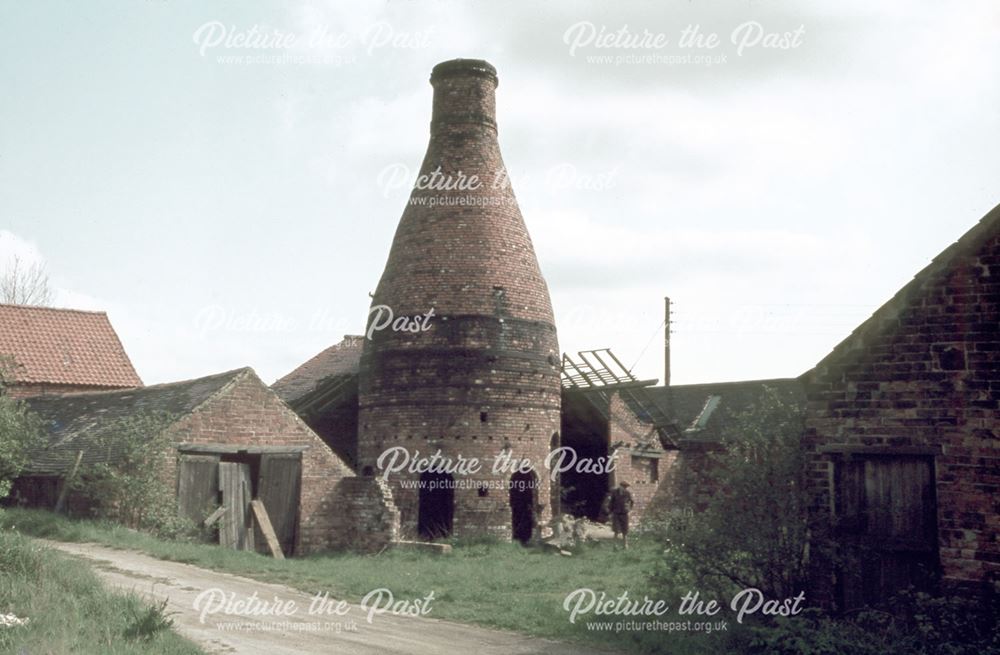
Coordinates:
(902, 433)
(54, 351)
(233, 440)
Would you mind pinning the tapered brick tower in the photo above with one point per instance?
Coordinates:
(482, 381)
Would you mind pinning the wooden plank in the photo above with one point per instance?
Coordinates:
(197, 485)
(279, 488)
(894, 545)
(264, 523)
(236, 530)
(214, 516)
(67, 483)
(229, 449)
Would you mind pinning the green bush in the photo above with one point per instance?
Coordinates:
(912, 624)
(19, 432)
(754, 531)
(127, 487)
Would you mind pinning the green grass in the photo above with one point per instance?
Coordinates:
(496, 585)
(69, 611)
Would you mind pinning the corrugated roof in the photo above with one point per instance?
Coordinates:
(75, 422)
(63, 346)
(341, 359)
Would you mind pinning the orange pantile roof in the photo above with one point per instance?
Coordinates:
(42, 345)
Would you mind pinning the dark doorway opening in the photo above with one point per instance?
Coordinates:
(436, 510)
(584, 491)
(522, 505)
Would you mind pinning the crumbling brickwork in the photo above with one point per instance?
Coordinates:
(367, 519)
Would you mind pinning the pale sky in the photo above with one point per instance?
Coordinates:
(237, 214)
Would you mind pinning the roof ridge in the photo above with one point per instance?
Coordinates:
(55, 309)
(232, 373)
(732, 382)
(983, 229)
(150, 387)
(237, 374)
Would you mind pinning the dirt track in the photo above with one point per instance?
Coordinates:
(300, 632)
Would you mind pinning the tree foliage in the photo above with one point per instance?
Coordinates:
(127, 485)
(754, 531)
(20, 431)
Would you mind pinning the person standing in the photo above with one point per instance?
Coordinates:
(620, 503)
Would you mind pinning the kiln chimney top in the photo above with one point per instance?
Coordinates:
(457, 67)
(464, 96)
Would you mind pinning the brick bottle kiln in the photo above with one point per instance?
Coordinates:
(482, 381)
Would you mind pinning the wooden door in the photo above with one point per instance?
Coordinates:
(278, 488)
(197, 486)
(236, 528)
(887, 524)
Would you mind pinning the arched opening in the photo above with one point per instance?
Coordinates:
(437, 505)
(522, 505)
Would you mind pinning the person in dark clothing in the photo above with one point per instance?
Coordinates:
(619, 504)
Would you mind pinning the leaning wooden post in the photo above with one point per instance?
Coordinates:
(67, 481)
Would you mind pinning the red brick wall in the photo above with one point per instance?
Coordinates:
(927, 375)
(689, 478)
(625, 426)
(368, 518)
(486, 373)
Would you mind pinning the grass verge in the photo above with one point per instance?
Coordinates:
(69, 611)
(496, 585)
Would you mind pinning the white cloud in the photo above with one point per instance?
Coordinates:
(12, 246)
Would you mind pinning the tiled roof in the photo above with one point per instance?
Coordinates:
(63, 346)
(341, 359)
(81, 421)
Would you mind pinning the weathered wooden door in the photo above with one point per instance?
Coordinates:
(236, 529)
(197, 486)
(887, 523)
(278, 489)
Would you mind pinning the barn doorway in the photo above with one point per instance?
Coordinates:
(436, 509)
(523, 486)
(216, 485)
(886, 526)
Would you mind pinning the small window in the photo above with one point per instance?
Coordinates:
(483, 417)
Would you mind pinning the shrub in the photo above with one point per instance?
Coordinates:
(20, 431)
(127, 487)
(753, 532)
(912, 624)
